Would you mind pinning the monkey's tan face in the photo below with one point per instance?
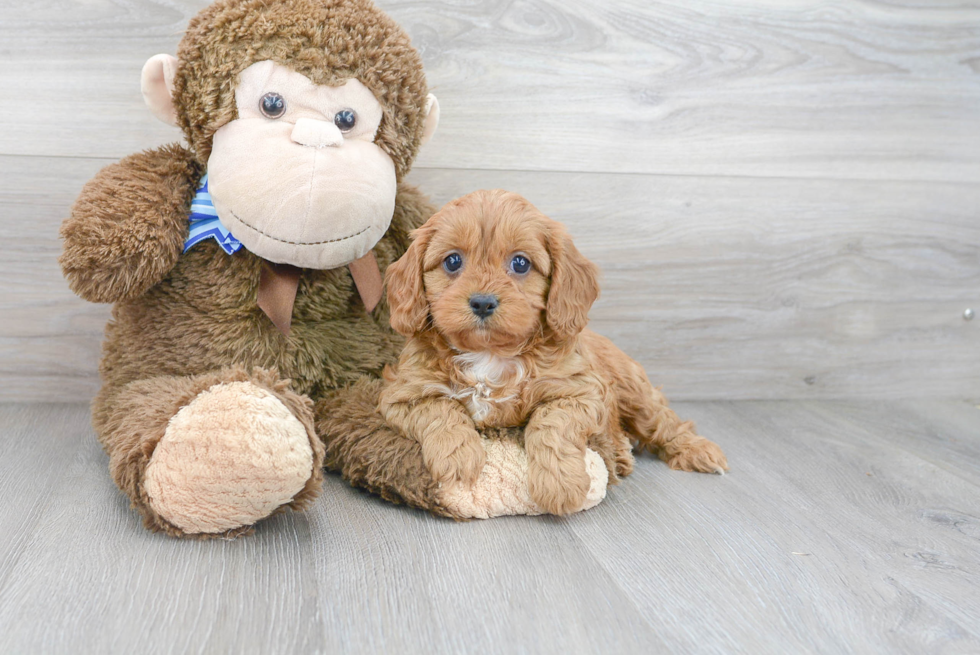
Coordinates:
(297, 177)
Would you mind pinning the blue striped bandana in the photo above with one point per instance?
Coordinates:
(205, 223)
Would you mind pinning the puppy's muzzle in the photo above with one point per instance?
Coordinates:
(483, 304)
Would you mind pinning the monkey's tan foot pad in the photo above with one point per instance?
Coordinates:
(228, 459)
(502, 490)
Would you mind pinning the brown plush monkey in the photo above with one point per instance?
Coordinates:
(245, 347)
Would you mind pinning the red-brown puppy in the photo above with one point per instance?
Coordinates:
(495, 298)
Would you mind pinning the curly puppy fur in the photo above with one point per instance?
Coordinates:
(529, 362)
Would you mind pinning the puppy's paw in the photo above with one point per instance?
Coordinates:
(699, 455)
(457, 458)
(558, 486)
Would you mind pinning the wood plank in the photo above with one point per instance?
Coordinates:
(740, 288)
(49, 338)
(822, 538)
(352, 575)
(85, 577)
(721, 287)
(943, 434)
(870, 90)
(520, 584)
(55, 435)
(798, 549)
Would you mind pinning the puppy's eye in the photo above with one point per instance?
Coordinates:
(272, 105)
(520, 264)
(345, 119)
(453, 262)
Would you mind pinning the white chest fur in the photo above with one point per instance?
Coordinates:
(484, 381)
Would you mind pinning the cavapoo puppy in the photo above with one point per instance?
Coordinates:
(494, 298)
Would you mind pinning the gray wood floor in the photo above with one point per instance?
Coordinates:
(842, 528)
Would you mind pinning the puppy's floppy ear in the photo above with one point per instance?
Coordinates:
(406, 293)
(574, 285)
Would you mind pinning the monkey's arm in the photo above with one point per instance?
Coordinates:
(128, 226)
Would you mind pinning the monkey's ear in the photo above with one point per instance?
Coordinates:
(431, 118)
(406, 291)
(157, 85)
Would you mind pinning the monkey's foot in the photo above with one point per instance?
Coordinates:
(231, 457)
(502, 488)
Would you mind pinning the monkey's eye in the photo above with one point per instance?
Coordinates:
(272, 105)
(345, 119)
(453, 262)
(520, 264)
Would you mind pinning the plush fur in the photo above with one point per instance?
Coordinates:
(529, 363)
(194, 321)
(131, 419)
(231, 457)
(186, 327)
(113, 255)
(187, 323)
(328, 41)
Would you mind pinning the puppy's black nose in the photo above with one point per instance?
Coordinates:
(483, 304)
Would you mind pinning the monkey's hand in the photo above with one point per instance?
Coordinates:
(128, 226)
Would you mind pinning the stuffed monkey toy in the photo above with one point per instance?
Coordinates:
(248, 328)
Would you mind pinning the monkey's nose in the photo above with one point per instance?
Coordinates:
(316, 134)
(483, 304)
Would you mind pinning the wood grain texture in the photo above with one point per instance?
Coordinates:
(843, 527)
(870, 90)
(826, 533)
(783, 195)
(721, 287)
(747, 288)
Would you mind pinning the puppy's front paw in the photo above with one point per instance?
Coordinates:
(558, 486)
(699, 455)
(456, 458)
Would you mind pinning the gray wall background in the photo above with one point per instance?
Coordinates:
(784, 196)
